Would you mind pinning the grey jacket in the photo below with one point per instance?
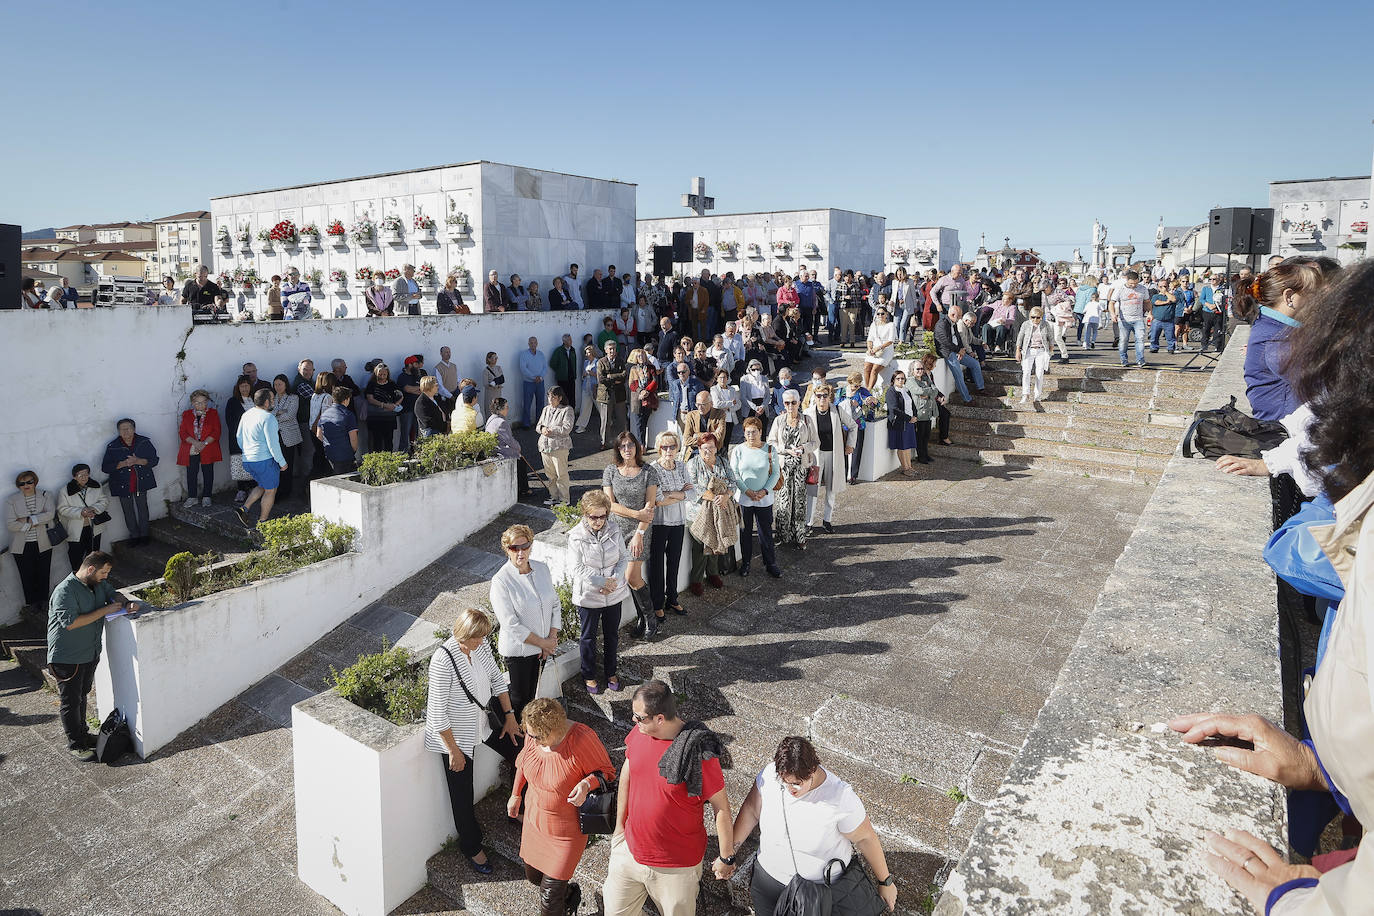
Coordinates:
(1023, 338)
(400, 291)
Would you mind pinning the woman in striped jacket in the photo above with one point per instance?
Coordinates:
(463, 677)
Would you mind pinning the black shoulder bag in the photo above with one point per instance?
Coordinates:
(496, 716)
(596, 814)
(850, 894)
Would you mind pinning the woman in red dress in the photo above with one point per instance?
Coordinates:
(554, 773)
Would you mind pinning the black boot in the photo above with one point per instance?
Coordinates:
(646, 624)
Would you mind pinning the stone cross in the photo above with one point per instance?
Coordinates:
(697, 201)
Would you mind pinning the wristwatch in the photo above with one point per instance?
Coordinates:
(510, 712)
(728, 860)
(889, 881)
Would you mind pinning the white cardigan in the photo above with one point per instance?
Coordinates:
(524, 604)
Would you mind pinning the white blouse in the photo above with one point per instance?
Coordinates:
(524, 604)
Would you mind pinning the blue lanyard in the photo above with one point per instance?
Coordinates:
(1280, 317)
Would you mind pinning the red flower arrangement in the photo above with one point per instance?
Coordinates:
(393, 274)
(1359, 225)
(284, 231)
(335, 228)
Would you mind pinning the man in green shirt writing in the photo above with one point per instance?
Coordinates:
(76, 622)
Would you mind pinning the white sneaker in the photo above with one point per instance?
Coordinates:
(1023, 399)
(205, 501)
(190, 503)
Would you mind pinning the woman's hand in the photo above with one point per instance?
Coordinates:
(513, 807)
(637, 544)
(889, 895)
(511, 730)
(646, 514)
(1251, 865)
(1243, 467)
(579, 793)
(1277, 755)
(457, 762)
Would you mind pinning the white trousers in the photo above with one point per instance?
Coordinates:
(1034, 361)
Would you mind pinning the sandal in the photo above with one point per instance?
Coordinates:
(593, 688)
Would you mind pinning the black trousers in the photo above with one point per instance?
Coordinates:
(34, 568)
(922, 440)
(943, 423)
(292, 454)
(524, 680)
(763, 516)
(73, 687)
(343, 467)
(607, 619)
(77, 550)
(765, 890)
(460, 793)
(1298, 629)
(665, 556)
(135, 514)
(853, 460)
(1213, 330)
(202, 474)
(553, 893)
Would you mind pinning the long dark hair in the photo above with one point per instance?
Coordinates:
(1331, 364)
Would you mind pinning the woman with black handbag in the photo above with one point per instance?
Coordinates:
(561, 764)
(463, 681)
(810, 822)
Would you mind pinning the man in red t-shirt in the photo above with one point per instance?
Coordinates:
(660, 837)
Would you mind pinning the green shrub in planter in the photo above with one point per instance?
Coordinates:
(437, 454)
(570, 625)
(387, 684)
(180, 575)
(381, 468)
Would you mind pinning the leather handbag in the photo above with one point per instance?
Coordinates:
(813, 475)
(801, 896)
(596, 814)
(57, 532)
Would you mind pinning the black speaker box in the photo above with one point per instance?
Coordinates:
(682, 246)
(10, 268)
(1261, 230)
(663, 260)
(1230, 231)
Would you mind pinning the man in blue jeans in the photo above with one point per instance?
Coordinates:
(1164, 309)
(951, 349)
(1127, 305)
(532, 365)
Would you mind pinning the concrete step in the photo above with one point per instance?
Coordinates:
(219, 520)
(1007, 409)
(34, 659)
(1015, 437)
(1077, 466)
(1067, 428)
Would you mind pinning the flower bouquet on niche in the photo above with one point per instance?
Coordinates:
(284, 232)
(363, 230)
(426, 275)
(392, 275)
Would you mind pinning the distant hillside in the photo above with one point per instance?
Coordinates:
(48, 233)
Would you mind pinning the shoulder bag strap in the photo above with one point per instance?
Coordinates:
(782, 801)
(454, 662)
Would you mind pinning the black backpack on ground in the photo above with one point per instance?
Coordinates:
(1230, 431)
(115, 740)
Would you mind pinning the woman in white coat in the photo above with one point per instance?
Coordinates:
(529, 611)
(1033, 344)
(600, 562)
(835, 440)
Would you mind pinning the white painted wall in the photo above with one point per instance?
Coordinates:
(942, 241)
(527, 221)
(844, 238)
(83, 370)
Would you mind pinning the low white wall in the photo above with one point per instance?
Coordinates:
(84, 370)
(168, 669)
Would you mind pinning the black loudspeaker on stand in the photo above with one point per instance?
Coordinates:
(682, 246)
(663, 260)
(9, 266)
(1240, 230)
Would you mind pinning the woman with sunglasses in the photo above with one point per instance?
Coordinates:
(670, 518)
(529, 612)
(599, 563)
(29, 517)
(632, 488)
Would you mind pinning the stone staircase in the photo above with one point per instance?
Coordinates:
(1094, 420)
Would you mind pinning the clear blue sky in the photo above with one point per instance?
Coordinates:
(1017, 119)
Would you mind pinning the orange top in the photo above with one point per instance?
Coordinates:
(551, 840)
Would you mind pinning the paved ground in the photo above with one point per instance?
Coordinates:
(917, 644)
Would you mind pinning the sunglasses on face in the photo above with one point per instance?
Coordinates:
(28, 483)
(638, 718)
(597, 518)
(519, 548)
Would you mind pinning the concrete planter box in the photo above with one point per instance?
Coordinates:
(877, 460)
(310, 242)
(338, 241)
(371, 803)
(170, 667)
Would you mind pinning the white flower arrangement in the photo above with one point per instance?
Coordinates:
(782, 246)
(363, 230)
(391, 223)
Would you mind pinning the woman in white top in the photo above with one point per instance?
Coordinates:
(726, 397)
(806, 816)
(168, 295)
(588, 383)
(1033, 352)
(555, 441)
(463, 677)
(528, 611)
(600, 561)
(882, 343)
(670, 519)
(755, 391)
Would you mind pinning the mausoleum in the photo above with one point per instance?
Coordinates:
(467, 219)
(921, 248)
